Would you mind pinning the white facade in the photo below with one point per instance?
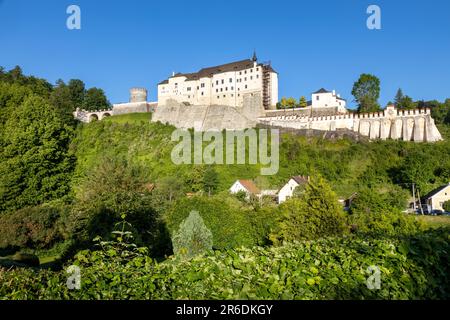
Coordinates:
(222, 85)
(437, 199)
(328, 99)
(287, 191)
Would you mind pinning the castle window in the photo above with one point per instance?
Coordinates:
(217, 81)
(257, 76)
(232, 95)
(232, 88)
(257, 69)
(317, 98)
(198, 88)
(240, 73)
(245, 86)
(239, 94)
(202, 85)
(245, 71)
(231, 80)
(251, 70)
(226, 88)
(245, 79)
(217, 90)
(223, 81)
(202, 93)
(251, 77)
(221, 89)
(224, 96)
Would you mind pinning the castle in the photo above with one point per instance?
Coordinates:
(244, 94)
(226, 84)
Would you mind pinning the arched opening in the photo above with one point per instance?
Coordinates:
(106, 115)
(93, 117)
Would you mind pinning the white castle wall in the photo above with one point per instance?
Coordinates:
(408, 125)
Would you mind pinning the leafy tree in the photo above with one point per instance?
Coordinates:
(192, 238)
(95, 99)
(35, 162)
(366, 92)
(210, 180)
(315, 214)
(406, 103)
(291, 102)
(302, 102)
(77, 93)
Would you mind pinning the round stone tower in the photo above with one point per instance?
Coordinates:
(138, 95)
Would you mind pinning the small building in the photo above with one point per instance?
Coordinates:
(435, 199)
(246, 186)
(287, 191)
(327, 99)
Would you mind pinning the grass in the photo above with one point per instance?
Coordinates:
(130, 118)
(434, 222)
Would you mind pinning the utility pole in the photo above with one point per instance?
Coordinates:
(420, 203)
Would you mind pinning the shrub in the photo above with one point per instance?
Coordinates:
(334, 268)
(35, 227)
(192, 238)
(446, 206)
(222, 215)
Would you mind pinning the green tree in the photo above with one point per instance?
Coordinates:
(406, 103)
(35, 162)
(77, 91)
(95, 99)
(366, 92)
(291, 102)
(192, 238)
(398, 97)
(302, 102)
(315, 214)
(210, 180)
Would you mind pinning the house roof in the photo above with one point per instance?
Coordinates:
(322, 90)
(250, 186)
(301, 179)
(436, 191)
(210, 71)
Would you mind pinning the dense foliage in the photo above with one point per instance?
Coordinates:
(336, 268)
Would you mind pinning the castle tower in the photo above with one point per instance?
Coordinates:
(138, 95)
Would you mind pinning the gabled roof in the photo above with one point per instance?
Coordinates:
(250, 186)
(322, 90)
(301, 179)
(436, 191)
(210, 71)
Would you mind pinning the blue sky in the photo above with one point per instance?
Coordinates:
(311, 44)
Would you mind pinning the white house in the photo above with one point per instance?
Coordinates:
(226, 84)
(328, 99)
(287, 191)
(435, 199)
(246, 186)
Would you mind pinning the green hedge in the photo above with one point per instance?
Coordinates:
(413, 268)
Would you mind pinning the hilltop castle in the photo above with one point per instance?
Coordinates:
(244, 94)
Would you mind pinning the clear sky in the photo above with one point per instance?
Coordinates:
(311, 44)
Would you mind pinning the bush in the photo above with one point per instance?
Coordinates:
(35, 227)
(415, 268)
(192, 238)
(446, 206)
(222, 215)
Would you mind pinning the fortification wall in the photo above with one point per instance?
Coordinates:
(214, 117)
(407, 125)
